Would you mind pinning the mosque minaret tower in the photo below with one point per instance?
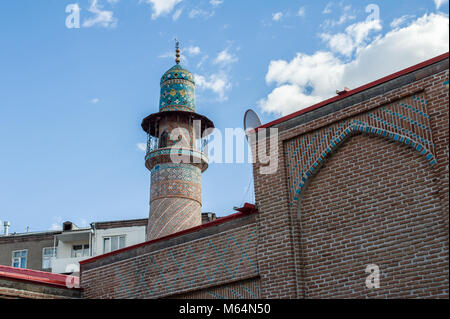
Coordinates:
(174, 155)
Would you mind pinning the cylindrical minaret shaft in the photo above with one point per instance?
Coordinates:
(176, 164)
(176, 201)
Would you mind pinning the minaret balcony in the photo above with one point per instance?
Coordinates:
(176, 155)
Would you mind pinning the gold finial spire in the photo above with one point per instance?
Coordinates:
(177, 49)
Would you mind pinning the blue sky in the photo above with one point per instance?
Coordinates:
(72, 99)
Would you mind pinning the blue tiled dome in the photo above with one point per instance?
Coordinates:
(177, 90)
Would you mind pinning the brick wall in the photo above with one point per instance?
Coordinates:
(244, 289)
(214, 255)
(380, 208)
(407, 233)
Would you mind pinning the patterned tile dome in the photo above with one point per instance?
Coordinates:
(177, 90)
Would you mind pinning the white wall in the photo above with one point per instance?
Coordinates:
(133, 235)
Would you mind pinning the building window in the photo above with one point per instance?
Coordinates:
(19, 258)
(47, 254)
(80, 250)
(113, 243)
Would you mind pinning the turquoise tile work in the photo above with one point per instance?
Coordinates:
(177, 90)
(405, 121)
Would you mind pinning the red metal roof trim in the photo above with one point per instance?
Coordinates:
(40, 277)
(246, 210)
(357, 90)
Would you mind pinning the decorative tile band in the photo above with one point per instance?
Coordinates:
(177, 72)
(182, 180)
(177, 96)
(180, 152)
(175, 107)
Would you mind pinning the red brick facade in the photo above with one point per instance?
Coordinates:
(214, 255)
(380, 198)
(362, 179)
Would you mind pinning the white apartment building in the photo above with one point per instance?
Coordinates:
(60, 251)
(75, 244)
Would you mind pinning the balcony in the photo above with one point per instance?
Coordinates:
(73, 246)
(200, 145)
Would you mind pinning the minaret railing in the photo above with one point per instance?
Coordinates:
(152, 143)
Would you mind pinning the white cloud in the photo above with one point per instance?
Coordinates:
(341, 43)
(161, 7)
(202, 60)
(57, 225)
(95, 100)
(439, 3)
(177, 14)
(224, 57)
(194, 13)
(142, 146)
(354, 37)
(193, 50)
(216, 2)
(167, 54)
(190, 50)
(277, 16)
(102, 18)
(400, 21)
(327, 8)
(217, 83)
(171, 55)
(346, 15)
(301, 12)
(307, 79)
(287, 98)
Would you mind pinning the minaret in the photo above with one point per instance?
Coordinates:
(175, 160)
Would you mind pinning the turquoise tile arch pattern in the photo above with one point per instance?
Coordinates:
(405, 121)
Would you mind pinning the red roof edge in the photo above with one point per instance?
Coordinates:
(357, 90)
(39, 277)
(246, 210)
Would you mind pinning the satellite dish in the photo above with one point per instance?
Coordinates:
(251, 120)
